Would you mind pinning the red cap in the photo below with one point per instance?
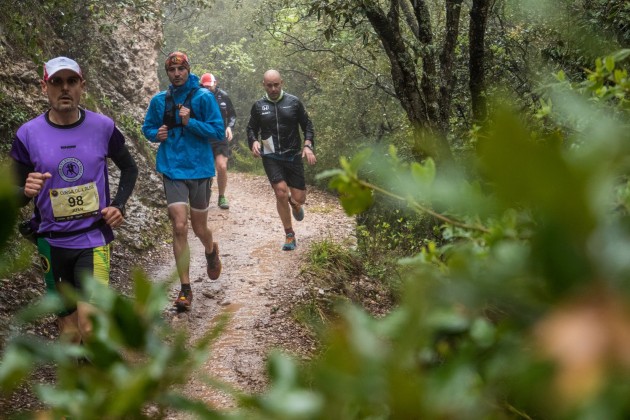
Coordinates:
(208, 79)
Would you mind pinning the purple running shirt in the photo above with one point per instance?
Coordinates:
(76, 157)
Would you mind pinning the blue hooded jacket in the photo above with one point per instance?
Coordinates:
(187, 152)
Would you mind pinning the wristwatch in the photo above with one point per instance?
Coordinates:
(310, 146)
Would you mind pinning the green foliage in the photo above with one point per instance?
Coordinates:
(486, 312)
(343, 83)
(242, 160)
(11, 117)
(331, 263)
(8, 203)
(611, 17)
(8, 211)
(354, 196)
(383, 237)
(561, 107)
(134, 358)
(609, 81)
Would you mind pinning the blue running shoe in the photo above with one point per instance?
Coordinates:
(297, 210)
(290, 242)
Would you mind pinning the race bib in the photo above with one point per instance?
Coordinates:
(268, 146)
(74, 202)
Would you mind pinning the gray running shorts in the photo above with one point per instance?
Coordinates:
(195, 192)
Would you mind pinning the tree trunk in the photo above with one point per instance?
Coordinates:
(476, 65)
(418, 99)
(453, 12)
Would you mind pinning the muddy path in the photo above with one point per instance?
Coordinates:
(256, 286)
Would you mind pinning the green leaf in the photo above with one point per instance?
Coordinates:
(357, 161)
(609, 63)
(423, 173)
(561, 76)
(329, 174)
(355, 197)
(8, 205)
(621, 54)
(142, 289)
(129, 322)
(483, 332)
(533, 173)
(295, 404)
(15, 367)
(282, 370)
(448, 321)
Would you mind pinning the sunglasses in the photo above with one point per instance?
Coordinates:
(71, 81)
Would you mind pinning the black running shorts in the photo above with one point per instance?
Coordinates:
(221, 148)
(291, 172)
(65, 267)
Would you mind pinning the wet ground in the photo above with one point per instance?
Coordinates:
(257, 283)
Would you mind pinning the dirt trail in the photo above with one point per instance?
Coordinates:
(257, 280)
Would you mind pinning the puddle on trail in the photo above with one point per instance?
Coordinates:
(229, 309)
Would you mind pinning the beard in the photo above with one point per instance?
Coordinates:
(65, 106)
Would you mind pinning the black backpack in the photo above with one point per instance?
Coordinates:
(170, 108)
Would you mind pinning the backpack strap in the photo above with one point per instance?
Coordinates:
(187, 101)
(168, 119)
(170, 109)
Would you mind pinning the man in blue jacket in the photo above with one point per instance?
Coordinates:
(186, 120)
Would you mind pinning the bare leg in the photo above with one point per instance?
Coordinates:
(83, 318)
(199, 222)
(178, 213)
(220, 163)
(298, 196)
(69, 328)
(281, 191)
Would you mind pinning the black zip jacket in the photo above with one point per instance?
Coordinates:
(281, 120)
(227, 109)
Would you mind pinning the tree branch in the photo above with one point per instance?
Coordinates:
(421, 208)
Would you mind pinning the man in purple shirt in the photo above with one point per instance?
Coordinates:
(61, 164)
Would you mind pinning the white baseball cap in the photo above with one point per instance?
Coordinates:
(61, 63)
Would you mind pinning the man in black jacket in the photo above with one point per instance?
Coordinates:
(273, 134)
(221, 150)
